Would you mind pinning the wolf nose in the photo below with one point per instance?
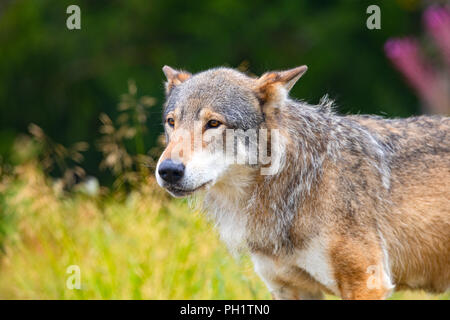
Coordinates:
(171, 171)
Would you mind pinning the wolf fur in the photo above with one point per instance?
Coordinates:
(359, 207)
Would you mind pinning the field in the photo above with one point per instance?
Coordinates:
(140, 246)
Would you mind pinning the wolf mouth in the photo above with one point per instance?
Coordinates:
(179, 192)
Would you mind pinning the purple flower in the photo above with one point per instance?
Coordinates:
(405, 55)
(431, 84)
(437, 22)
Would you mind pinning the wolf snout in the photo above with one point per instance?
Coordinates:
(171, 171)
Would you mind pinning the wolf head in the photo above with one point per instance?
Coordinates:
(203, 113)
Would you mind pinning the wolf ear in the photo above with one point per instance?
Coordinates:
(174, 77)
(267, 84)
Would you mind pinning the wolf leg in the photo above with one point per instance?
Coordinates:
(293, 293)
(285, 282)
(361, 268)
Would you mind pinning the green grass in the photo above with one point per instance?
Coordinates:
(145, 246)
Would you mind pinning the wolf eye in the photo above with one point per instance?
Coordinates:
(213, 124)
(171, 122)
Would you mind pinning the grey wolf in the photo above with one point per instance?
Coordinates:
(359, 207)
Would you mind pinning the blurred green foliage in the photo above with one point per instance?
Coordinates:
(62, 80)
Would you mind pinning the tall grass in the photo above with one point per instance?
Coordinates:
(139, 247)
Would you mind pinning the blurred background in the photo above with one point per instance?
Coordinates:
(80, 126)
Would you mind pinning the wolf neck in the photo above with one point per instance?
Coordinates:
(257, 212)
